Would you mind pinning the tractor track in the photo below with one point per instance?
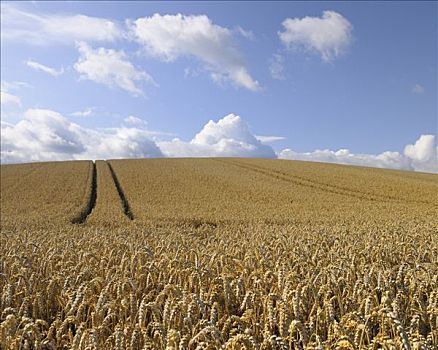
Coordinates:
(125, 204)
(319, 186)
(91, 201)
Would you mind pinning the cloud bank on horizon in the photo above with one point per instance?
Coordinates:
(420, 156)
(45, 135)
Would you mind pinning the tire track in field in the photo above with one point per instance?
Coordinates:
(299, 180)
(92, 200)
(302, 181)
(125, 203)
(296, 180)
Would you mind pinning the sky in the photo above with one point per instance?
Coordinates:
(342, 82)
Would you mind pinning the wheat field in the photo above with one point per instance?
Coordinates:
(217, 254)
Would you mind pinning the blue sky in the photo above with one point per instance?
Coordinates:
(317, 77)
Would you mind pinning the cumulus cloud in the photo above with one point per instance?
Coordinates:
(45, 69)
(169, 37)
(43, 28)
(422, 156)
(9, 99)
(44, 135)
(41, 135)
(111, 68)
(329, 35)
(228, 137)
(418, 89)
(122, 142)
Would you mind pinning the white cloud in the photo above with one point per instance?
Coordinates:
(122, 142)
(9, 99)
(190, 72)
(422, 156)
(43, 28)
(344, 156)
(42, 68)
(14, 85)
(132, 120)
(276, 67)
(110, 68)
(169, 37)
(41, 135)
(418, 89)
(44, 135)
(269, 139)
(229, 137)
(247, 34)
(329, 35)
(88, 112)
(422, 150)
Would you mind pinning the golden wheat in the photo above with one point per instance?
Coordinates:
(221, 254)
